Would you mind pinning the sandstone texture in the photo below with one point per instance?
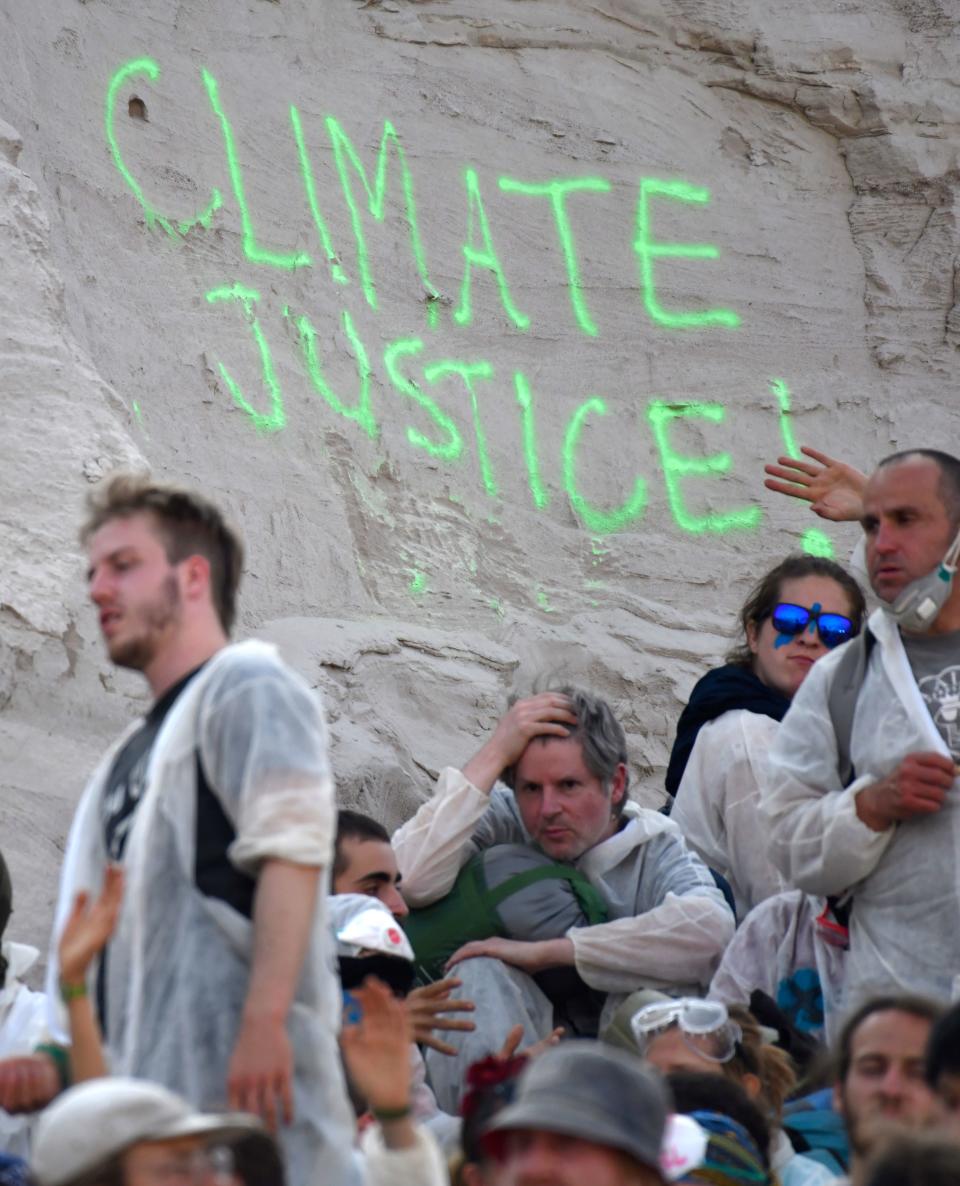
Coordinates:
(479, 416)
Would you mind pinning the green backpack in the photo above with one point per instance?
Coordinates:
(511, 891)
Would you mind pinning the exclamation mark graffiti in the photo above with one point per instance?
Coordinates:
(815, 542)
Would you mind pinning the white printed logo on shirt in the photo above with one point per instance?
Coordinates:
(942, 695)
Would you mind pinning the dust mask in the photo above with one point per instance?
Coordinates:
(917, 606)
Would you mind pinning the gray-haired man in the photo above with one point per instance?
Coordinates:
(562, 759)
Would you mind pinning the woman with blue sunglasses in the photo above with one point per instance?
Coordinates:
(796, 613)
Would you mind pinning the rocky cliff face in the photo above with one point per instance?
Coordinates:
(480, 318)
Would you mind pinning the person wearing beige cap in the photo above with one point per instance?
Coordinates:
(128, 1132)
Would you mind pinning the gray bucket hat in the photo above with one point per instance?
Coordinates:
(592, 1091)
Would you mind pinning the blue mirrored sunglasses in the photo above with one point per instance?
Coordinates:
(794, 619)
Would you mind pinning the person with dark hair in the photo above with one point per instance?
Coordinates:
(220, 807)
(794, 615)
(491, 1085)
(552, 780)
(697, 1091)
(364, 864)
(861, 798)
(880, 1087)
(363, 861)
(942, 1069)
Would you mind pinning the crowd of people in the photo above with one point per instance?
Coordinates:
(535, 981)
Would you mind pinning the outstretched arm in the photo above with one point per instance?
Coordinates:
(833, 488)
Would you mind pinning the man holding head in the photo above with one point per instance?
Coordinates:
(886, 842)
(219, 804)
(553, 777)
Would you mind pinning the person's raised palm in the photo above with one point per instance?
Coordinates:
(833, 488)
(89, 927)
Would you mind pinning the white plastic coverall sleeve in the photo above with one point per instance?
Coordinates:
(281, 798)
(718, 799)
(433, 846)
(420, 1165)
(816, 838)
(670, 925)
(23, 1025)
(677, 942)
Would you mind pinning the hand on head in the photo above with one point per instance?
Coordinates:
(548, 714)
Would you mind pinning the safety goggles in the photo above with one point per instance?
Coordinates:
(794, 619)
(705, 1027)
(212, 1166)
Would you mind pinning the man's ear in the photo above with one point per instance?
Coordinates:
(195, 579)
(838, 1099)
(618, 785)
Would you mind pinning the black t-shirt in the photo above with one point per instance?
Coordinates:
(214, 873)
(128, 775)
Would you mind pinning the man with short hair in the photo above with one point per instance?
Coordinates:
(364, 862)
(219, 804)
(887, 842)
(561, 756)
(880, 1085)
(582, 1113)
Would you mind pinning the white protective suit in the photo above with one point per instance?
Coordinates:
(179, 962)
(792, 1168)
(717, 804)
(23, 1026)
(905, 881)
(778, 949)
(669, 923)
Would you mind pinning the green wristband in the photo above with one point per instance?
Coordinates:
(385, 1115)
(72, 992)
(61, 1060)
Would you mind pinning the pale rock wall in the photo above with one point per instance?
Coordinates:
(414, 589)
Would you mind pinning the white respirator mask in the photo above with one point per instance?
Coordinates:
(917, 606)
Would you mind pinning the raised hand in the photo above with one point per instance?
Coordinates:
(89, 927)
(376, 1050)
(833, 488)
(511, 1046)
(427, 1008)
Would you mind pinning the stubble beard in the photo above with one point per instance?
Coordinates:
(138, 653)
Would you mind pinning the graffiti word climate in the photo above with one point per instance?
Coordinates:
(445, 440)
